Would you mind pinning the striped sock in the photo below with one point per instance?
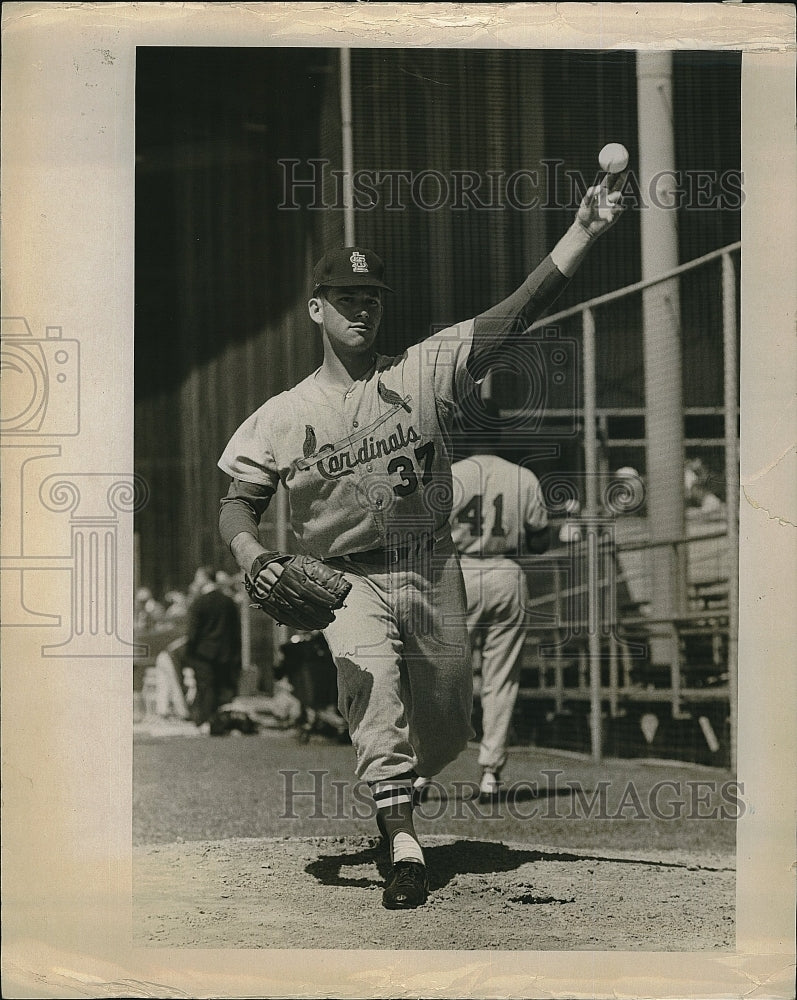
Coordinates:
(394, 812)
(393, 795)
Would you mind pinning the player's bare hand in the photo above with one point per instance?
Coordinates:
(602, 205)
(266, 579)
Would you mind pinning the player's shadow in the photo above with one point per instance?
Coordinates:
(328, 868)
(523, 793)
(479, 857)
(469, 792)
(445, 861)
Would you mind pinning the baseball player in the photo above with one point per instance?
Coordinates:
(497, 513)
(362, 447)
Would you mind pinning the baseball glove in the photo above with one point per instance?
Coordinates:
(305, 596)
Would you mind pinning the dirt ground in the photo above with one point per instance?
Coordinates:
(223, 860)
(325, 893)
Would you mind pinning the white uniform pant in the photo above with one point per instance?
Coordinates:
(169, 697)
(497, 594)
(401, 647)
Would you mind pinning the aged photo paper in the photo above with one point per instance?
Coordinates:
(69, 494)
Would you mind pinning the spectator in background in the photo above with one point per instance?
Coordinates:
(570, 530)
(226, 584)
(700, 501)
(149, 613)
(202, 577)
(174, 683)
(176, 607)
(626, 494)
(213, 649)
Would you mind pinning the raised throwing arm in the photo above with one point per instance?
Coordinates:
(598, 212)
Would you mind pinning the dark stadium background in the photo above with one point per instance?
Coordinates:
(222, 272)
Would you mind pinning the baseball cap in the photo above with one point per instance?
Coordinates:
(347, 267)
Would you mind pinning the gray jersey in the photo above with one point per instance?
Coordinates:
(494, 502)
(367, 468)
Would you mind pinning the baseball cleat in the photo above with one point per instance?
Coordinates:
(408, 886)
(489, 786)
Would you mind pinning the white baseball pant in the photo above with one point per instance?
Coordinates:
(401, 647)
(496, 596)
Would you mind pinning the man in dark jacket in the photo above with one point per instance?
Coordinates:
(213, 649)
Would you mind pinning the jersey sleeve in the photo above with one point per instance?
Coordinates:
(515, 314)
(444, 360)
(249, 455)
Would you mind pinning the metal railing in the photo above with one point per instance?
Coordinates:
(718, 617)
(626, 672)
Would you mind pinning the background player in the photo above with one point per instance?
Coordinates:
(361, 445)
(498, 513)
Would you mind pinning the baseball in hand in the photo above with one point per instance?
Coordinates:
(613, 158)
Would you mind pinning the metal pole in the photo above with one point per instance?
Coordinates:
(280, 633)
(614, 682)
(590, 408)
(591, 528)
(248, 684)
(661, 332)
(348, 153)
(675, 657)
(557, 663)
(731, 485)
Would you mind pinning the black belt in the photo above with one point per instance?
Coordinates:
(488, 555)
(396, 553)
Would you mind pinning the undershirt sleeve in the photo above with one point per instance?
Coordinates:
(515, 313)
(242, 508)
